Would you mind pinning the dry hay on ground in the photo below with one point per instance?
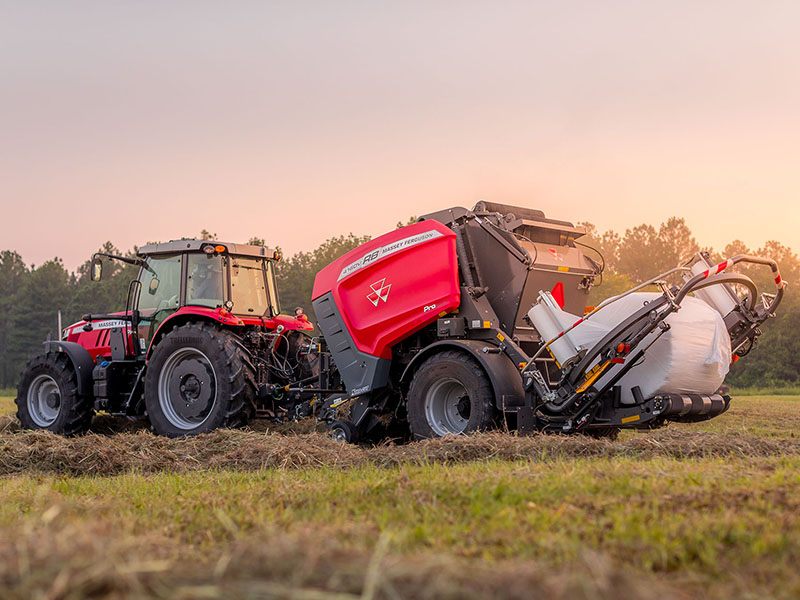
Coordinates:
(248, 450)
(46, 559)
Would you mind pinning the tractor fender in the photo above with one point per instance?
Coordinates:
(189, 314)
(81, 360)
(506, 380)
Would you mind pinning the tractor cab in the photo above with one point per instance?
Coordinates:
(228, 283)
(203, 277)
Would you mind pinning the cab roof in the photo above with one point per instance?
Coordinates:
(192, 245)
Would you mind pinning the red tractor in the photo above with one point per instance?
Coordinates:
(201, 345)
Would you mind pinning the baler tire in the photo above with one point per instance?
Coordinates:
(464, 376)
(74, 412)
(232, 373)
(344, 431)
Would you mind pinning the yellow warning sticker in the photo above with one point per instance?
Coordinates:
(631, 419)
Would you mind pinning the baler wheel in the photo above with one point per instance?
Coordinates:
(344, 431)
(200, 378)
(47, 396)
(450, 394)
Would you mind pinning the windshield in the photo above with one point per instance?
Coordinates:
(248, 289)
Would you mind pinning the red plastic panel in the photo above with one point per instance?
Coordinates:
(394, 285)
(558, 293)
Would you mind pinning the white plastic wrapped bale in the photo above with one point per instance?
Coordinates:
(693, 357)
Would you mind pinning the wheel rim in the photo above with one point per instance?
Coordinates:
(44, 400)
(187, 388)
(447, 407)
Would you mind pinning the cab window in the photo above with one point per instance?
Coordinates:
(205, 280)
(248, 289)
(161, 284)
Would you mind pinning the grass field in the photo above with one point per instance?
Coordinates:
(709, 509)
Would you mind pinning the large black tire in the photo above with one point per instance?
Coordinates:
(199, 378)
(450, 394)
(48, 398)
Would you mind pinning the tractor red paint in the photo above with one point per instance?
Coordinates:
(95, 336)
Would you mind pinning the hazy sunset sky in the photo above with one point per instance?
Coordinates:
(295, 121)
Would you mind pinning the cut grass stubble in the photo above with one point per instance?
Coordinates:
(710, 508)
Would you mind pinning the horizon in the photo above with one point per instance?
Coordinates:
(131, 122)
(220, 238)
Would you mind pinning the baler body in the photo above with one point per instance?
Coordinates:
(380, 294)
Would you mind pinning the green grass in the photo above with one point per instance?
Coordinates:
(718, 526)
(660, 514)
(766, 391)
(773, 417)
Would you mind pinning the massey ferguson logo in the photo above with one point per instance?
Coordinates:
(380, 291)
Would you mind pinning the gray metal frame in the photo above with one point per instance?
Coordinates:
(193, 245)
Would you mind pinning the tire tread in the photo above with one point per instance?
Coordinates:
(483, 391)
(80, 408)
(237, 364)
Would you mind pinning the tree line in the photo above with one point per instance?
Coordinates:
(31, 296)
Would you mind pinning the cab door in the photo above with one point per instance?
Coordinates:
(160, 293)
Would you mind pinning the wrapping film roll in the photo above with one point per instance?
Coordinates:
(693, 357)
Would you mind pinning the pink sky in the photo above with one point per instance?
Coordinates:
(137, 121)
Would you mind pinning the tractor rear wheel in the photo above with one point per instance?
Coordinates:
(199, 378)
(450, 394)
(48, 398)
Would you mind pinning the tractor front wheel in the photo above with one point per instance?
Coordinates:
(48, 398)
(450, 395)
(199, 378)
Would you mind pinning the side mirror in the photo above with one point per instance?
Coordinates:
(96, 270)
(153, 287)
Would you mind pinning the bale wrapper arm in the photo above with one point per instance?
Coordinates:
(578, 393)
